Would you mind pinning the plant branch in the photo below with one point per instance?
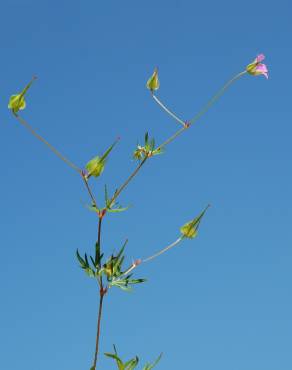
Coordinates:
(51, 147)
(102, 293)
(164, 249)
(124, 185)
(203, 110)
(168, 111)
(89, 191)
(216, 97)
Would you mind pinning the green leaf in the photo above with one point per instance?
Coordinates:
(116, 210)
(136, 281)
(151, 366)
(98, 256)
(115, 356)
(131, 364)
(80, 259)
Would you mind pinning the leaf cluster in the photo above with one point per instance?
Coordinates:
(112, 269)
(132, 363)
(147, 150)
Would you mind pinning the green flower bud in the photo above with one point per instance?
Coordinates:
(190, 229)
(17, 102)
(95, 167)
(153, 82)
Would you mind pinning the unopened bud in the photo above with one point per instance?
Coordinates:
(153, 82)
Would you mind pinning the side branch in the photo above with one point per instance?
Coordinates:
(51, 147)
(173, 115)
(125, 184)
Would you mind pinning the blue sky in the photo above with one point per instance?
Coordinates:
(221, 301)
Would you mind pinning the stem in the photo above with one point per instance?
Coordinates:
(124, 185)
(216, 97)
(164, 250)
(89, 191)
(181, 130)
(102, 293)
(173, 115)
(51, 147)
(203, 110)
(99, 230)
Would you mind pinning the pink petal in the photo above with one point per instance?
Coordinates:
(260, 58)
(262, 68)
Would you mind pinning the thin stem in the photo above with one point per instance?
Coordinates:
(98, 328)
(102, 292)
(173, 115)
(164, 249)
(203, 110)
(51, 147)
(216, 97)
(124, 185)
(89, 191)
(176, 134)
(99, 230)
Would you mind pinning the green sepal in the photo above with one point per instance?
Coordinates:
(190, 229)
(153, 82)
(96, 165)
(17, 101)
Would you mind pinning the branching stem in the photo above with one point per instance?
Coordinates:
(167, 110)
(124, 185)
(51, 147)
(203, 110)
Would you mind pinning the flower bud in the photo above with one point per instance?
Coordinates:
(95, 167)
(257, 68)
(190, 229)
(153, 82)
(17, 102)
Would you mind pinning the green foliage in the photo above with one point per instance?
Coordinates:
(190, 229)
(130, 364)
(147, 150)
(112, 269)
(112, 207)
(116, 276)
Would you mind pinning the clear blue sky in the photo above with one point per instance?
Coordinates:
(219, 302)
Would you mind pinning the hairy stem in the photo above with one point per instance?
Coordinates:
(51, 147)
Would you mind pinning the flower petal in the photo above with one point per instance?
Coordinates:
(260, 58)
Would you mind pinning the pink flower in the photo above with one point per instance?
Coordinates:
(257, 68)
